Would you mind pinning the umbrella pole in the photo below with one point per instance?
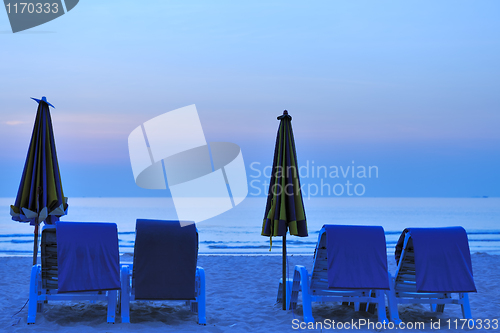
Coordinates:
(35, 245)
(284, 284)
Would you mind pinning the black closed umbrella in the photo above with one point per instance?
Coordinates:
(285, 207)
(40, 197)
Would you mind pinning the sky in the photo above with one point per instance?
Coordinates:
(409, 88)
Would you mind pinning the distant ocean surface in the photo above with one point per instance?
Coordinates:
(238, 230)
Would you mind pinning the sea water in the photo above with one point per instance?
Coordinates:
(238, 230)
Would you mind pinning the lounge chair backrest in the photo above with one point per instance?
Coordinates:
(49, 280)
(406, 278)
(434, 260)
(315, 287)
(165, 258)
(319, 278)
(49, 257)
(433, 266)
(364, 244)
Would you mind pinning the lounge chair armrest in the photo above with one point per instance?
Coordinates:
(35, 282)
(200, 277)
(302, 276)
(125, 272)
(301, 283)
(125, 276)
(201, 296)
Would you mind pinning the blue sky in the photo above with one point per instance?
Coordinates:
(408, 86)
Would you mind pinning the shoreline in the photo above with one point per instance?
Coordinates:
(389, 256)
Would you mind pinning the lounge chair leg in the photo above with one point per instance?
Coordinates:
(202, 318)
(382, 317)
(294, 292)
(41, 291)
(193, 306)
(33, 299)
(119, 302)
(125, 294)
(392, 301)
(289, 286)
(466, 312)
(356, 306)
(112, 296)
(279, 297)
(372, 306)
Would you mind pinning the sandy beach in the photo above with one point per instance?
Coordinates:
(241, 297)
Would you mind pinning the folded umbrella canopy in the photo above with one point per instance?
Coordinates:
(285, 207)
(40, 196)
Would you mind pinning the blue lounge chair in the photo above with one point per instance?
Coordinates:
(433, 264)
(79, 261)
(164, 267)
(350, 265)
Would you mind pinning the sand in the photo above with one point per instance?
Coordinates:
(241, 297)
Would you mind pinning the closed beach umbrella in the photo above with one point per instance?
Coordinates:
(285, 207)
(40, 196)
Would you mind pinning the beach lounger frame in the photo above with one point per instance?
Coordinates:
(195, 299)
(314, 288)
(43, 282)
(127, 294)
(404, 290)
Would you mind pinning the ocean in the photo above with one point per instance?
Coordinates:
(238, 230)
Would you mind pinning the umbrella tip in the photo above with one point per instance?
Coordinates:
(285, 115)
(44, 99)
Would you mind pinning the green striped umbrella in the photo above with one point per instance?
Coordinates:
(285, 207)
(40, 196)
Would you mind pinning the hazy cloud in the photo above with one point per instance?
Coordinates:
(13, 122)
